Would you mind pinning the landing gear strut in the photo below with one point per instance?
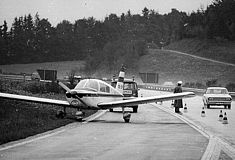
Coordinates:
(126, 115)
(79, 115)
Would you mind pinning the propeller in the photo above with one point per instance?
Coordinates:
(64, 86)
(71, 93)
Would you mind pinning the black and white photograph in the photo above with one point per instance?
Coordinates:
(120, 80)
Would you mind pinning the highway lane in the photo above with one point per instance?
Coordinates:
(211, 121)
(151, 134)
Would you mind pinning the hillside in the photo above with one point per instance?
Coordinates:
(170, 66)
(173, 67)
(63, 68)
(220, 50)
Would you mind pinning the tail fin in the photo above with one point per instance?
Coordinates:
(120, 81)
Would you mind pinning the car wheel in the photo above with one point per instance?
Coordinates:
(229, 106)
(135, 109)
(111, 110)
(225, 106)
(208, 106)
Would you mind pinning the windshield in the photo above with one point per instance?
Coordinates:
(130, 86)
(88, 84)
(217, 91)
(95, 85)
(127, 85)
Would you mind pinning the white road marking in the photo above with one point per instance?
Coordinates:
(9, 145)
(95, 116)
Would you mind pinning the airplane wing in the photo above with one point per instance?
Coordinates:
(144, 100)
(34, 99)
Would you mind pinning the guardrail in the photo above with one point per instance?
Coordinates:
(16, 77)
(232, 94)
(156, 87)
(171, 89)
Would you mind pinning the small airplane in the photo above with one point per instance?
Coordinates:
(99, 95)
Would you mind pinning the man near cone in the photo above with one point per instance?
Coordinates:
(178, 102)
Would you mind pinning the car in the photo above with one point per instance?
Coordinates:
(217, 96)
(130, 89)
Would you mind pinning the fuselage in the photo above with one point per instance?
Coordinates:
(90, 92)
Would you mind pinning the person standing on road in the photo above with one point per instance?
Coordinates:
(178, 102)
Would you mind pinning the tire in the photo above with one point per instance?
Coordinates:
(208, 106)
(127, 120)
(229, 106)
(135, 109)
(110, 110)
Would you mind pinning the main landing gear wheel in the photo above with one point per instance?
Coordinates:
(135, 109)
(79, 116)
(127, 117)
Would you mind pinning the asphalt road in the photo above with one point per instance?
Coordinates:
(221, 136)
(151, 134)
(211, 121)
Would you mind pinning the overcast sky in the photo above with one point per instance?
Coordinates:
(58, 10)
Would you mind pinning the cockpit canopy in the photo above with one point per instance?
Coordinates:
(96, 86)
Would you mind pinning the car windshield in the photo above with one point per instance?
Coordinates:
(130, 86)
(127, 85)
(217, 91)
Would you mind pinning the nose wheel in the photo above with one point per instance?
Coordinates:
(126, 116)
(79, 115)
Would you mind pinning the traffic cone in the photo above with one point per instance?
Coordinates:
(203, 113)
(220, 116)
(225, 119)
(185, 108)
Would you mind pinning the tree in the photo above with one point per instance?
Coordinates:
(220, 17)
(145, 12)
(44, 45)
(4, 43)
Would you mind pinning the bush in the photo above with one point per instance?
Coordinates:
(41, 87)
(211, 83)
(194, 85)
(231, 87)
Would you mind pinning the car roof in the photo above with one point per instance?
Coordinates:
(216, 88)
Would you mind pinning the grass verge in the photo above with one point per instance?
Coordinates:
(22, 119)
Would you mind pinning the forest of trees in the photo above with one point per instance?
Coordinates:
(113, 40)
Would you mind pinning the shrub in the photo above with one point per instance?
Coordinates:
(41, 87)
(231, 87)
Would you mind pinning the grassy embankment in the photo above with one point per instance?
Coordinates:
(218, 50)
(22, 119)
(170, 66)
(174, 67)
